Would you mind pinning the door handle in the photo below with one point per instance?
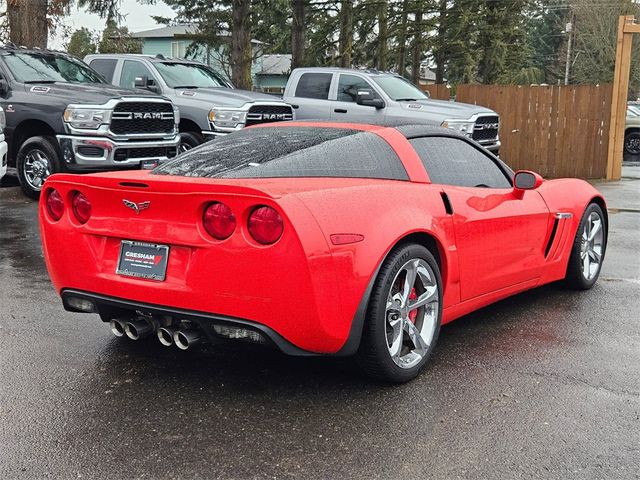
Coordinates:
(339, 110)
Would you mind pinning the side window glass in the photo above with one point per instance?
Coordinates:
(349, 85)
(105, 67)
(132, 69)
(314, 85)
(452, 161)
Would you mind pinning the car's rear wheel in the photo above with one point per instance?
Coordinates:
(403, 316)
(588, 249)
(37, 158)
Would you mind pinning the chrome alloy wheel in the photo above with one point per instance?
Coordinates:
(591, 246)
(411, 313)
(36, 169)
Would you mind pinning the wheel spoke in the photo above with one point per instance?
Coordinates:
(595, 256)
(409, 280)
(430, 295)
(396, 340)
(595, 228)
(421, 346)
(586, 266)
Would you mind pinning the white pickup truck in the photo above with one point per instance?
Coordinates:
(370, 96)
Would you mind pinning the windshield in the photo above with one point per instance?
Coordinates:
(399, 89)
(178, 75)
(32, 67)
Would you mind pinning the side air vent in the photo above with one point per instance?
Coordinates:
(552, 237)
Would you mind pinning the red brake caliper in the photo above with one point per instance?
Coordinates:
(414, 313)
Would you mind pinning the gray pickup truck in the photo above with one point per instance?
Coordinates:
(208, 104)
(369, 96)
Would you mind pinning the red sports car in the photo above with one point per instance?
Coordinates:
(318, 239)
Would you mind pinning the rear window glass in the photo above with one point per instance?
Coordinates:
(314, 85)
(105, 67)
(290, 152)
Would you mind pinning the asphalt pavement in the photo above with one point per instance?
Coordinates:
(543, 385)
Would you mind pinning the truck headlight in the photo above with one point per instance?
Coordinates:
(90, 118)
(465, 127)
(176, 114)
(3, 120)
(227, 118)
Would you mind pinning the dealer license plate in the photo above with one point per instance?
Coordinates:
(143, 260)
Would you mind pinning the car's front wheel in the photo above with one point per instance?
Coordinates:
(37, 158)
(403, 317)
(587, 252)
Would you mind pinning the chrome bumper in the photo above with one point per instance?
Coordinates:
(72, 146)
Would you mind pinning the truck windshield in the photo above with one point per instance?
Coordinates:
(185, 75)
(36, 67)
(399, 89)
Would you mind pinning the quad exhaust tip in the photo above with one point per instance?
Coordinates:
(186, 338)
(165, 335)
(137, 329)
(117, 328)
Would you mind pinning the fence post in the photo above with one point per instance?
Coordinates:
(619, 98)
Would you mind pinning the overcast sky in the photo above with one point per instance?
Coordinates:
(137, 18)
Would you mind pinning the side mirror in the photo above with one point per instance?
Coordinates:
(366, 98)
(4, 87)
(141, 82)
(525, 180)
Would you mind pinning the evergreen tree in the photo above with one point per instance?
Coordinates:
(81, 43)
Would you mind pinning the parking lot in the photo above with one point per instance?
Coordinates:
(543, 385)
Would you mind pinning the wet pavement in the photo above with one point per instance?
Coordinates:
(542, 385)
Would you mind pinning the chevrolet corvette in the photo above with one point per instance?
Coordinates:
(317, 239)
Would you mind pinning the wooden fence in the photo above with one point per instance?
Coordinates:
(557, 131)
(438, 91)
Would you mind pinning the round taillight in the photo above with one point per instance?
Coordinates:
(81, 207)
(55, 204)
(219, 221)
(265, 225)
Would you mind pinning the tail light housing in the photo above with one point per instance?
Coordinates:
(265, 225)
(219, 221)
(81, 207)
(55, 204)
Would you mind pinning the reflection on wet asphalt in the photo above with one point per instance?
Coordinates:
(543, 385)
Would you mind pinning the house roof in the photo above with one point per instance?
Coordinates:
(171, 31)
(275, 64)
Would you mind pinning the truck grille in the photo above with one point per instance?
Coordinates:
(139, 118)
(268, 113)
(486, 128)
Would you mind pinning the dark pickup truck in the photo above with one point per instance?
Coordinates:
(63, 116)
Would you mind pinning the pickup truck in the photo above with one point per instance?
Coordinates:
(209, 105)
(370, 96)
(62, 116)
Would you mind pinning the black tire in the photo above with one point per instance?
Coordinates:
(575, 277)
(632, 143)
(44, 148)
(189, 140)
(373, 356)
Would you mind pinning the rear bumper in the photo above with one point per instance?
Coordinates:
(110, 307)
(98, 153)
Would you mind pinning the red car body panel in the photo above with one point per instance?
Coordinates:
(304, 287)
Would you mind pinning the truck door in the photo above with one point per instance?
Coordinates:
(311, 97)
(345, 109)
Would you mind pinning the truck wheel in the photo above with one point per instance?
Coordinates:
(37, 158)
(632, 143)
(189, 140)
